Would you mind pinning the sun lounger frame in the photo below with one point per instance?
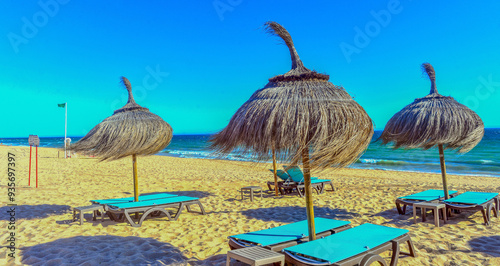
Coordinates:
(485, 208)
(238, 243)
(319, 187)
(287, 187)
(410, 202)
(365, 258)
(131, 199)
(119, 214)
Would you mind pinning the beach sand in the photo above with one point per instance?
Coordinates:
(46, 234)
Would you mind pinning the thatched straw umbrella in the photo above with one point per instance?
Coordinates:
(131, 130)
(435, 120)
(297, 112)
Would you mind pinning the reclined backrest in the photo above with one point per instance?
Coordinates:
(281, 174)
(296, 174)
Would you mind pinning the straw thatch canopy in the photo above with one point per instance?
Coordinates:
(295, 111)
(131, 130)
(434, 120)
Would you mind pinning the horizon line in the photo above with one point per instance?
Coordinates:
(186, 134)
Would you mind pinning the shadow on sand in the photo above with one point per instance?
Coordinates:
(294, 214)
(395, 218)
(192, 193)
(486, 244)
(33, 211)
(112, 250)
(105, 250)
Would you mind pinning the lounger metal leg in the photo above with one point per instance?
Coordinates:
(269, 186)
(319, 188)
(99, 213)
(316, 189)
(371, 258)
(181, 206)
(331, 184)
(485, 216)
(411, 249)
(401, 209)
(145, 215)
(497, 206)
(129, 219)
(188, 207)
(300, 191)
(202, 209)
(395, 253)
(398, 206)
(491, 207)
(113, 217)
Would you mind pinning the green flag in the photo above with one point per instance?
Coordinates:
(61, 105)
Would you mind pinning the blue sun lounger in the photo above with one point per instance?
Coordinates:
(426, 195)
(100, 206)
(131, 199)
(281, 175)
(155, 207)
(483, 201)
(357, 246)
(297, 176)
(286, 185)
(287, 235)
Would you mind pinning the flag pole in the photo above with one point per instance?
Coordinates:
(65, 127)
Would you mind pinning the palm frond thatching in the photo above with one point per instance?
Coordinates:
(434, 120)
(131, 130)
(298, 110)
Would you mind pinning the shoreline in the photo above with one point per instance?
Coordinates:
(481, 161)
(348, 167)
(178, 155)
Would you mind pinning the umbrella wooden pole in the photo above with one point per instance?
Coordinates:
(275, 174)
(443, 171)
(136, 183)
(308, 190)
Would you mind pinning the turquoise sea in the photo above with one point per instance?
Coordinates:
(483, 160)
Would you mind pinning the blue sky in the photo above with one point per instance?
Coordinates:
(195, 63)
